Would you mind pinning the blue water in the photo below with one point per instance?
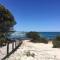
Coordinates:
(50, 35)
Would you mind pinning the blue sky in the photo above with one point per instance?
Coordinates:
(35, 15)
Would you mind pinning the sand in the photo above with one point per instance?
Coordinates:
(35, 51)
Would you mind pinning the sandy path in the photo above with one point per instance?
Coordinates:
(41, 52)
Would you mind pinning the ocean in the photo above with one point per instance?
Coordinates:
(49, 35)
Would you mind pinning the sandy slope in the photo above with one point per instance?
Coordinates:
(39, 50)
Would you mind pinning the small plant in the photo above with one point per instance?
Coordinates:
(30, 54)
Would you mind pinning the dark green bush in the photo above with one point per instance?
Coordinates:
(56, 42)
(2, 42)
(43, 40)
(35, 37)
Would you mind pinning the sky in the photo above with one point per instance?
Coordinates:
(35, 15)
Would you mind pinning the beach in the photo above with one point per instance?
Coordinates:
(36, 51)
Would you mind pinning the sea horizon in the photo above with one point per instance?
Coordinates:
(48, 35)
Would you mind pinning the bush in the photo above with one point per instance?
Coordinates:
(28, 53)
(2, 42)
(35, 37)
(44, 40)
(56, 42)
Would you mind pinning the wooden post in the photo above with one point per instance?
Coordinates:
(1, 43)
(19, 42)
(7, 48)
(12, 45)
(15, 44)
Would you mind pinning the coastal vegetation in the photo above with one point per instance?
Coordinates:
(35, 37)
(7, 22)
(56, 42)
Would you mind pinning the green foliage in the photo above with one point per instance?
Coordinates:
(30, 54)
(56, 42)
(7, 22)
(35, 37)
(43, 40)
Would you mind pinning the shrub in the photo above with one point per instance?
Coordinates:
(56, 42)
(2, 42)
(35, 37)
(44, 40)
(30, 54)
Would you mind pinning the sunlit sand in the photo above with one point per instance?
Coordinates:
(41, 51)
